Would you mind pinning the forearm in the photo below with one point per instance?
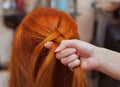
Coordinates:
(109, 62)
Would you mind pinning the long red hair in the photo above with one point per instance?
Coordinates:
(31, 64)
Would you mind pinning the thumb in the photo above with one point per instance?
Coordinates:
(48, 45)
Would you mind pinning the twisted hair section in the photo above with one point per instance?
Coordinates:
(31, 64)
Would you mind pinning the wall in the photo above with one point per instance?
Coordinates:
(85, 19)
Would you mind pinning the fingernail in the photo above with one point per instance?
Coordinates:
(45, 44)
(57, 49)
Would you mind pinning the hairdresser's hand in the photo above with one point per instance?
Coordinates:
(71, 52)
(91, 57)
(68, 56)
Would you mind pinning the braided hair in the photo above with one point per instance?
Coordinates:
(31, 64)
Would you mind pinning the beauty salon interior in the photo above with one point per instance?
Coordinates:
(98, 23)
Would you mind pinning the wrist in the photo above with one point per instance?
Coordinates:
(101, 56)
(107, 62)
(98, 57)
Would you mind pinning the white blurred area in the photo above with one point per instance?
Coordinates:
(4, 79)
(85, 19)
(6, 38)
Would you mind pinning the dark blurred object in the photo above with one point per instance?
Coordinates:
(12, 21)
(116, 13)
(112, 40)
(110, 11)
(111, 8)
(106, 81)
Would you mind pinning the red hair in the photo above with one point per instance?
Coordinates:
(31, 64)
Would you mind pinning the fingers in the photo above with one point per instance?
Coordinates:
(74, 64)
(64, 44)
(69, 51)
(69, 59)
(65, 53)
(83, 48)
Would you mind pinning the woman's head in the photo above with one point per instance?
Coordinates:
(31, 64)
(46, 21)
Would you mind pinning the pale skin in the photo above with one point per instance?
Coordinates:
(74, 52)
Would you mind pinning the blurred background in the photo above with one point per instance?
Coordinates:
(98, 22)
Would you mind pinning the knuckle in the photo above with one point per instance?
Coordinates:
(74, 50)
(63, 41)
(63, 61)
(57, 56)
(77, 62)
(75, 56)
(75, 40)
(70, 65)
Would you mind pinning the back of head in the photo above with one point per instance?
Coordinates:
(31, 64)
